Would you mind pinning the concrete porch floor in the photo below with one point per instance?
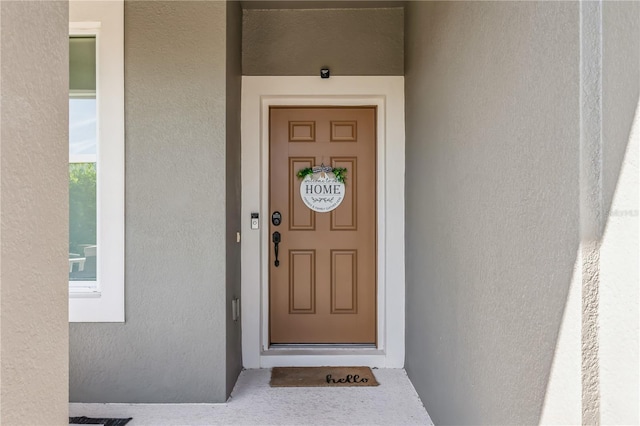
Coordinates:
(254, 402)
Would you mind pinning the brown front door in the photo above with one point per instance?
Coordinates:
(324, 288)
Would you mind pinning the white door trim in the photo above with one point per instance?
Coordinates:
(387, 94)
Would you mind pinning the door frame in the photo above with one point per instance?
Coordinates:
(258, 95)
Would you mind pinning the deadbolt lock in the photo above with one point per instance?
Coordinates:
(276, 218)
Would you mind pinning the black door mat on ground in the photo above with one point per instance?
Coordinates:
(92, 421)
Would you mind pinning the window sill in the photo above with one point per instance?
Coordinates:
(90, 305)
(82, 293)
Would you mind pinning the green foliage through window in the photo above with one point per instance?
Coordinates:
(82, 206)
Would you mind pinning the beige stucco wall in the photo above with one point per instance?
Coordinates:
(301, 41)
(492, 222)
(597, 357)
(34, 89)
(619, 292)
(619, 295)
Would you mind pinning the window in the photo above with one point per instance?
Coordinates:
(83, 141)
(96, 161)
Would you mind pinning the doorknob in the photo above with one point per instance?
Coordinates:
(276, 240)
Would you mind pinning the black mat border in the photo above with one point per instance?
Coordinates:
(96, 421)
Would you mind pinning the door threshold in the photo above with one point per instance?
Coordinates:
(323, 356)
(316, 346)
(321, 350)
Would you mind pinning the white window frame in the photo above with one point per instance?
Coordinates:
(103, 301)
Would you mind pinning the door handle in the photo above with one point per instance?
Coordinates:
(276, 240)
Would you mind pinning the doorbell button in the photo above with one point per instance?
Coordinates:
(255, 221)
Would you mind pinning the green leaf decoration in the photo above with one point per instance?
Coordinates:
(303, 173)
(339, 172)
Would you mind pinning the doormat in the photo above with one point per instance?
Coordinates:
(91, 421)
(322, 377)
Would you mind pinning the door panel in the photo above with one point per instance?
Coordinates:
(345, 218)
(301, 218)
(302, 281)
(324, 289)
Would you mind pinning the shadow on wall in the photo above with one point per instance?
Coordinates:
(597, 357)
(494, 255)
(610, 360)
(492, 206)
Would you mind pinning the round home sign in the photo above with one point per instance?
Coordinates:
(322, 191)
